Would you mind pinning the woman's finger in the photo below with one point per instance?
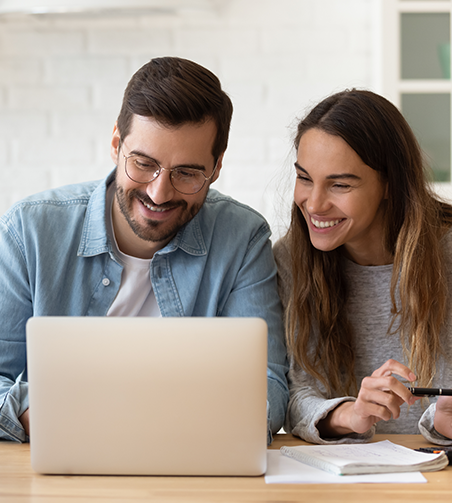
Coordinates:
(384, 399)
(394, 367)
(391, 386)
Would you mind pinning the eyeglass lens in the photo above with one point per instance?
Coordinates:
(184, 180)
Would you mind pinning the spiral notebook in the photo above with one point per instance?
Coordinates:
(354, 459)
(148, 396)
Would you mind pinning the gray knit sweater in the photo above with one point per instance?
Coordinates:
(369, 311)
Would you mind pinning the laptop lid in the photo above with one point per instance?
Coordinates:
(147, 396)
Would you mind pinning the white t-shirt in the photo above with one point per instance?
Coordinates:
(136, 295)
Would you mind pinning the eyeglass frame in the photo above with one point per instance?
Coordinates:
(171, 170)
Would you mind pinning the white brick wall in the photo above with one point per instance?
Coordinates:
(62, 79)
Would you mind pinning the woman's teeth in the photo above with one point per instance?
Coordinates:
(322, 225)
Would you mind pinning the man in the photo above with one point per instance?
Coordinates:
(150, 240)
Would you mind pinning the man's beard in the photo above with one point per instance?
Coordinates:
(154, 231)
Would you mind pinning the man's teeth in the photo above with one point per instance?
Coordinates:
(154, 208)
(322, 225)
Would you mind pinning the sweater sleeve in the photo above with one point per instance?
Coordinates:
(426, 427)
(444, 373)
(308, 403)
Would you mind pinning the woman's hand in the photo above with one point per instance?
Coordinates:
(443, 416)
(379, 399)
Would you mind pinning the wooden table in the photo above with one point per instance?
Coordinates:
(18, 483)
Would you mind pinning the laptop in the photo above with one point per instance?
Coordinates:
(148, 396)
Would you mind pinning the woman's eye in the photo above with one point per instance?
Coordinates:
(303, 178)
(341, 186)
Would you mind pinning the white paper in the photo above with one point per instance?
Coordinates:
(284, 470)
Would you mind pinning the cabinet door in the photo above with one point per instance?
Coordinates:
(425, 45)
(428, 114)
(416, 36)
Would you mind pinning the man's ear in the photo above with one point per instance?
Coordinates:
(115, 144)
(219, 166)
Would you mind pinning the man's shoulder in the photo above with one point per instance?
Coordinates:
(220, 206)
(78, 194)
(67, 194)
(55, 211)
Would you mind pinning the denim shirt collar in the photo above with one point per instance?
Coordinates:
(95, 240)
(190, 239)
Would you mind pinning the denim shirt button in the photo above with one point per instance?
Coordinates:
(105, 281)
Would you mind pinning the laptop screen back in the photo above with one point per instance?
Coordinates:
(147, 396)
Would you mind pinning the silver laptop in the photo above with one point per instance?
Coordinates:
(147, 396)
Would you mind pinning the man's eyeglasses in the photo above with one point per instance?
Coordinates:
(141, 169)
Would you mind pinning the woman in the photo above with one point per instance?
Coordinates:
(365, 276)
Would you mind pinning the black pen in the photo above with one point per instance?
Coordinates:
(430, 391)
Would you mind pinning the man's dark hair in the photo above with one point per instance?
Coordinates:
(175, 91)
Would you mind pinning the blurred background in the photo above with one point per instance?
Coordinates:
(62, 77)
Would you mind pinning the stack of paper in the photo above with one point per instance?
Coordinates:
(382, 462)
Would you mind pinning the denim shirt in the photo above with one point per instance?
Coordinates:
(56, 260)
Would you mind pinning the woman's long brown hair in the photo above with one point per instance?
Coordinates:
(318, 333)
